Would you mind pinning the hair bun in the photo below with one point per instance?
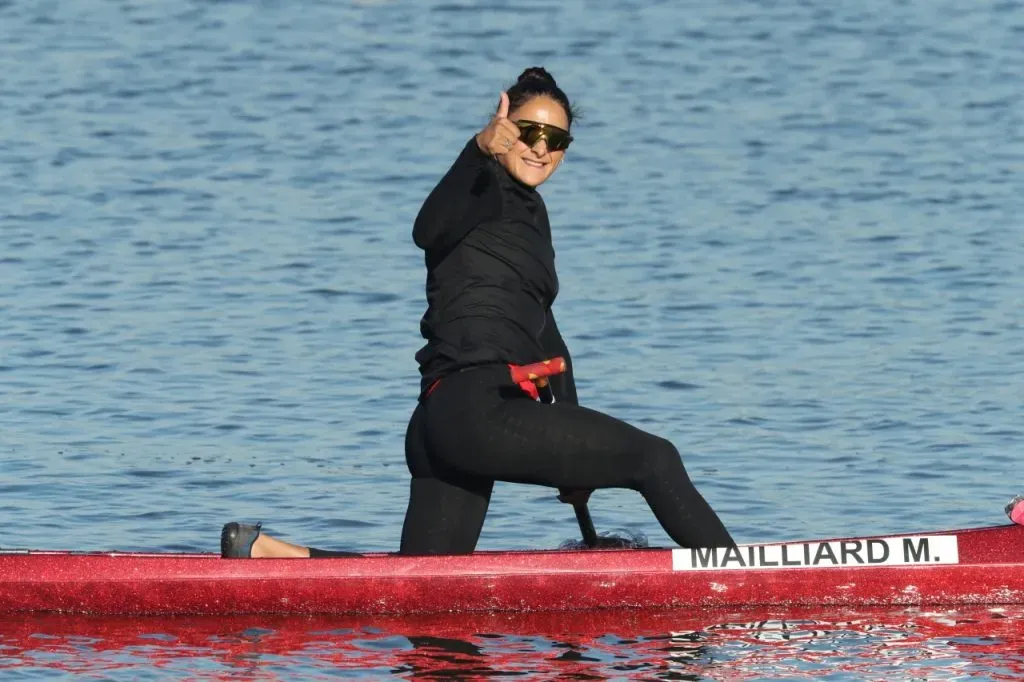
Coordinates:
(537, 73)
(537, 82)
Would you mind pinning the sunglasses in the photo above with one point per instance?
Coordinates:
(531, 131)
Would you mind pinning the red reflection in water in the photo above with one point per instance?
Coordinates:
(715, 645)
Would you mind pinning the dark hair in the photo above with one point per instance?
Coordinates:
(536, 81)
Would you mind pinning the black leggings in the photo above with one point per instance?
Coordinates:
(478, 427)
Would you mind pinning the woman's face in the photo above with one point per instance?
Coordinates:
(533, 165)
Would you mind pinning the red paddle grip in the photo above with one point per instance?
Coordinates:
(537, 370)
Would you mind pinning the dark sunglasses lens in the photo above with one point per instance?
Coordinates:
(531, 132)
(558, 141)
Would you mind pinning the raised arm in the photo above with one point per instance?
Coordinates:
(457, 203)
(468, 193)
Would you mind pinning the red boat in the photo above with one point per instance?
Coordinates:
(957, 567)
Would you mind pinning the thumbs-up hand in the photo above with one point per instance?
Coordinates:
(500, 135)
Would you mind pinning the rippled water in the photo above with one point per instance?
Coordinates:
(756, 645)
(797, 222)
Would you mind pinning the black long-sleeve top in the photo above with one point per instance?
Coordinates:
(491, 276)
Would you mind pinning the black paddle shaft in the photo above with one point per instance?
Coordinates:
(578, 500)
(586, 524)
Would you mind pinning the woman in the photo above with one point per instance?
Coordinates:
(490, 285)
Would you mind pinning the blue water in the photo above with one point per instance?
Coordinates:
(795, 223)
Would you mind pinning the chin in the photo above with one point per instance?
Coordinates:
(527, 175)
(532, 177)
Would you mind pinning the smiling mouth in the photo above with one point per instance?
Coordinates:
(534, 164)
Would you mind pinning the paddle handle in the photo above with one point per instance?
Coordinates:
(538, 371)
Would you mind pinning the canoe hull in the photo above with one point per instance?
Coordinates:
(988, 569)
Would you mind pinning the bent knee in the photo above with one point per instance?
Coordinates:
(664, 451)
(661, 459)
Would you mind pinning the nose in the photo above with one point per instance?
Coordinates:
(540, 147)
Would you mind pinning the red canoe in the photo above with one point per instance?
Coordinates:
(958, 567)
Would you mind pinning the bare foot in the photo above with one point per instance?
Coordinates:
(267, 547)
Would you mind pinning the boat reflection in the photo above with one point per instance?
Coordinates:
(707, 645)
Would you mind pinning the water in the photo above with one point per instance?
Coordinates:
(794, 223)
(757, 645)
